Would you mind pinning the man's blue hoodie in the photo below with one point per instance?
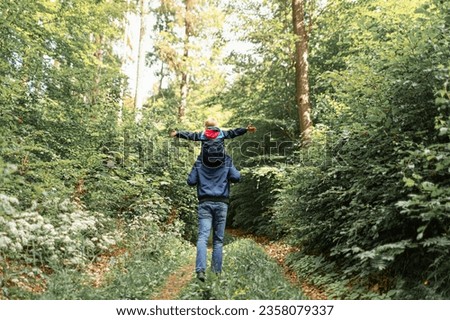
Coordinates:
(213, 184)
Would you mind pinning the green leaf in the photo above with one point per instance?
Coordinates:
(409, 182)
(440, 101)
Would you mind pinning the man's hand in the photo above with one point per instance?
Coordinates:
(251, 128)
(173, 133)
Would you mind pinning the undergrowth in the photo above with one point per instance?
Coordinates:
(135, 276)
(326, 276)
(248, 273)
(148, 256)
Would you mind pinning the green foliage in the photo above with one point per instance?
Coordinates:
(195, 54)
(58, 91)
(377, 208)
(324, 275)
(70, 166)
(69, 239)
(427, 209)
(263, 85)
(368, 201)
(248, 274)
(73, 236)
(254, 213)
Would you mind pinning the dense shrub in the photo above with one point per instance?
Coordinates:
(73, 237)
(378, 209)
(252, 200)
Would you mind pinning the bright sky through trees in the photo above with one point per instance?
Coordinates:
(128, 49)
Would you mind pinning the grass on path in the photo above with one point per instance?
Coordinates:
(248, 274)
(163, 269)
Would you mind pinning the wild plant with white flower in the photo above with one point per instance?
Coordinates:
(73, 237)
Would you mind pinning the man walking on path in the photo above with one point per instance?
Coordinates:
(213, 190)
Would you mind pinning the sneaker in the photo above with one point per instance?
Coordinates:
(201, 276)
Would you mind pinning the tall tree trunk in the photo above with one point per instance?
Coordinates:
(127, 47)
(138, 97)
(98, 40)
(184, 85)
(301, 71)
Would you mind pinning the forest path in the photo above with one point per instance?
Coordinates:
(181, 277)
(249, 274)
(180, 284)
(176, 282)
(278, 251)
(98, 270)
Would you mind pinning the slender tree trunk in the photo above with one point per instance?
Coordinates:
(161, 78)
(301, 71)
(138, 97)
(184, 85)
(184, 94)
(98, 40)
(127, 47)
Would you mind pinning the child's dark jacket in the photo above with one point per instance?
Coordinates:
(213, 145)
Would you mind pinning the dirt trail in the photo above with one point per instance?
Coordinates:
(279, 251)
(101, 266)
(184, 274)
(175, 283)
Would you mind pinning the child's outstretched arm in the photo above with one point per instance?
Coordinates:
(230, 134)
(196, 136)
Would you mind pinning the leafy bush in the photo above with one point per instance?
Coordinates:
(326, 276)
(73, 237)
(376, 211)
(357, 218)
(252, 200)
(426, 177)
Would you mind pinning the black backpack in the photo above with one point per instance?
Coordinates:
(213, 152)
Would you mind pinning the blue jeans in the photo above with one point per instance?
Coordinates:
(210, 214)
